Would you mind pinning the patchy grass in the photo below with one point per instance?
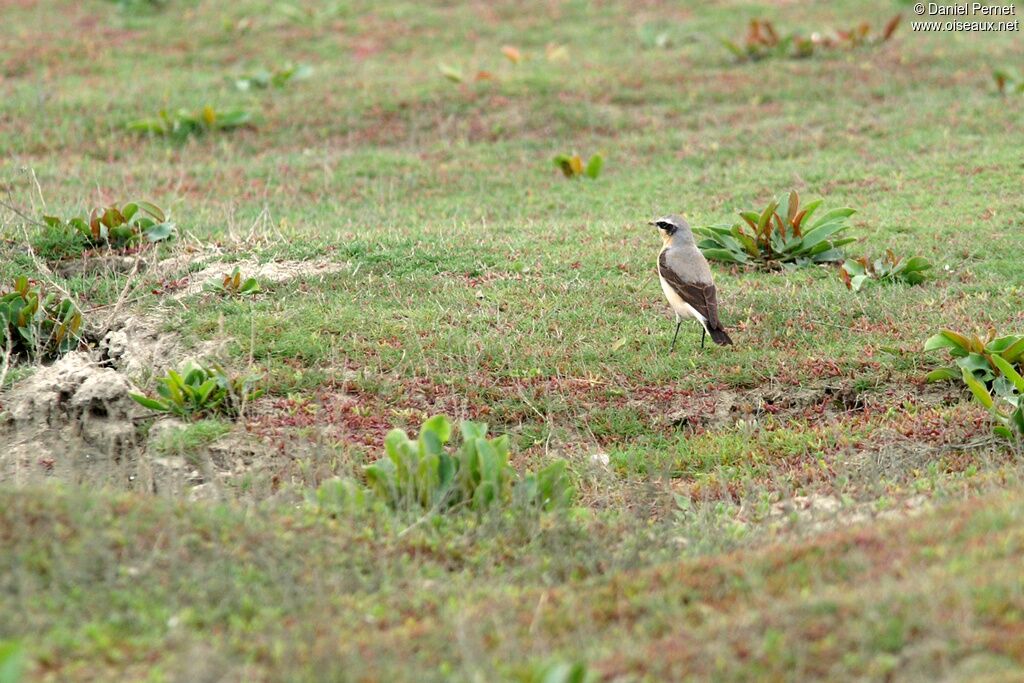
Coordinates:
(468, 277)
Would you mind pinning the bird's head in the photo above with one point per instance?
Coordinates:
(674, 229)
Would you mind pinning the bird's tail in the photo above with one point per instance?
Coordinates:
(720, 337)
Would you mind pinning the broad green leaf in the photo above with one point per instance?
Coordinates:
(977, 388)
(943, 374)
(1014, 352)
(834, 214)
(153, 210)
(451, 73)
(766, 216)
(819, 235)
(160, 232)
(978, 365)
(828, 256)
(948, 339)
(594, 166)
(808, 211)
(1009, 372)
(917, 263)
(473, 430)
(725, 255)
(440, 426)
(853, 267)
(150, 403)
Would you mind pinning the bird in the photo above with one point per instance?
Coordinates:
(686, 280)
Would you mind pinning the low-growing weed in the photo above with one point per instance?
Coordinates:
(573, 166)
(36, 324)
(201, 391)
(234, 285)
(278, 78)
(888, 269)
(1005, 398)
(114, 227)
(762, 41)
(979, 358)
(425, 475)
(182, 123)
(1008, 81)
(770, 241)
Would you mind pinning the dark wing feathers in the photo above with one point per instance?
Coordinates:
(702, 296)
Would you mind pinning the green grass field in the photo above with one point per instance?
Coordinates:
(801, 505)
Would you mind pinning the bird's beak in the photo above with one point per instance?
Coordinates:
(652, 223)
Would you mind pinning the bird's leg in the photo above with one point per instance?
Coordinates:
(703, 333)
(678, 323)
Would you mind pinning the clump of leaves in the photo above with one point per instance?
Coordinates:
(573, 166)
(772, 241)
(888, 269)
(234, 285)
(38, 325)
(1007, 81)
(548, 489)
(1005, 399)
(278, 78)
(978, 357)
(762, 41)
(182, 123)
(201, 391)
(858, 36)
(113, 227)
(424, 475)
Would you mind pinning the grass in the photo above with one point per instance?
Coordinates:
(473, 279)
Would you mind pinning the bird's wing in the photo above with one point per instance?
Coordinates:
(701, 295)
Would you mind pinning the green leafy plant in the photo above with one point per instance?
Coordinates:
(573, 166)
(115, 227)
(888, 269)
(182, 123)
(1005, 399)
(201, 391)
(341, 497)
(548, 489)
(422, 474)
(234, 285)
(1008, 81)
(975, 355)
(278, 78)
(762, 41)
(426, 475)
(36, 324)
(858, 36)
(772, 241)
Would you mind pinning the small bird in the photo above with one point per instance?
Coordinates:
(686, 280)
